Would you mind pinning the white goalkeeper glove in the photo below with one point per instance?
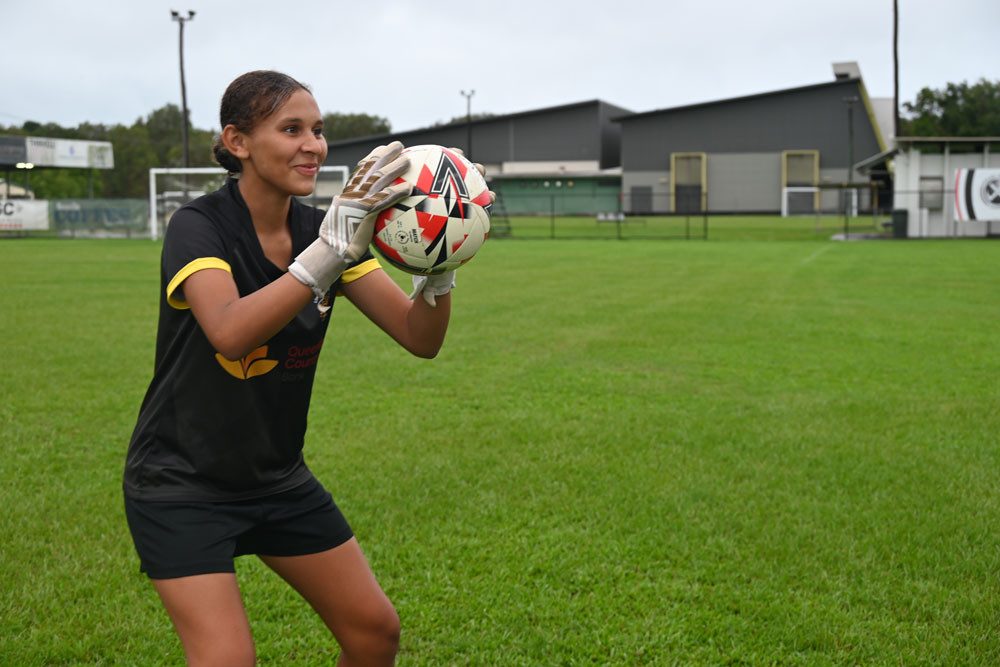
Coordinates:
(433, 286)
(347, 229)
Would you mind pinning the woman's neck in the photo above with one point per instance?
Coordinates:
(269, 213)
(268, 207)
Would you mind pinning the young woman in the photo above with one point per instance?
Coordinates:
(215, 468)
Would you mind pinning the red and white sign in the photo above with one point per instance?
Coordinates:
(24, 214)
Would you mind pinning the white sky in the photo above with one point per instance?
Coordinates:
(114, 61)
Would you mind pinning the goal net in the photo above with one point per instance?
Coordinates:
(171, 188)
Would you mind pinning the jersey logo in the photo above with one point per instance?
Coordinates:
(252, 365)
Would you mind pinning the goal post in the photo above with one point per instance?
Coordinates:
(806, 200)
(799, 200)
(172, 187)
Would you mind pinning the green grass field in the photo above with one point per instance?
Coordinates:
(762, 449)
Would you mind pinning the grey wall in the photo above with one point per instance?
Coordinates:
(743, 140)
(582, 131)
(813, 118)
(744, 182)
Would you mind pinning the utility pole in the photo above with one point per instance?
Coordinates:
(895, 69)
(181, 20)
(849, 190)
(468, 122)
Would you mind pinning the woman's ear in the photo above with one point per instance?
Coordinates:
(235, 142)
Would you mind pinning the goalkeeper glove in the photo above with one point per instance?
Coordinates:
(347, 229)
(433, 286)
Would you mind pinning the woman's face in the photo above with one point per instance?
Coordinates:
(287, 148)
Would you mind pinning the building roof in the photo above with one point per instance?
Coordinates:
(475, 121)
(611, 172)
(731, 100)
(947, 140)
(877, 162)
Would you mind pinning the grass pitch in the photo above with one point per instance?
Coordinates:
(641, 453)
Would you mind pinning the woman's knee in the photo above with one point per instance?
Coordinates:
(234, 653)
(374, 633)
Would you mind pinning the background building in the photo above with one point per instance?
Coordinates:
(729, 156)
(573, 151)
(925, 185)
(737, 155)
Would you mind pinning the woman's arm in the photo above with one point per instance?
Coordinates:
(236, 326)
(414, 324)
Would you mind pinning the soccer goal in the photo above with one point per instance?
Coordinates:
(817, 201)
(171, 188)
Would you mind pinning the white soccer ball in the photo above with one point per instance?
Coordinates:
(445, 220)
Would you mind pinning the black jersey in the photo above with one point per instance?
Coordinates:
(210, 428)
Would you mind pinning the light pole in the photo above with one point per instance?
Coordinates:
(849, 101)
(895, 69)
(181, 20)
(468, 121)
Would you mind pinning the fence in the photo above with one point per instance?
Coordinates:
(569, 215)
(554, 215)
(123, 218)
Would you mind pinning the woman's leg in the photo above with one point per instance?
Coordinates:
(342, 589)
(208, 613)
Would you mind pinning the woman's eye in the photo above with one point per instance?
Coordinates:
(318, 131)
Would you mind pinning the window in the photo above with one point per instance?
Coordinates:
(932, 192)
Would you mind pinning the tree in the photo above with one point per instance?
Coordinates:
(458, 120)
(959, 110)
(163, 128)
(349, 125)
(134, 155)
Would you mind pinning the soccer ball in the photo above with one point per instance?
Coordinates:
(445, 220)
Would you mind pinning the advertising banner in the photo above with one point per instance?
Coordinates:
(977, 195)
(23, 215)
(93, 214)
(69, 153)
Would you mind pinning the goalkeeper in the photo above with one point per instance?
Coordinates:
(214, 468)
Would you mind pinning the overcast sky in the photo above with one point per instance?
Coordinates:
(117, 60)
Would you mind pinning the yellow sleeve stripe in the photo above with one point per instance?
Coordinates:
(192, 267)
(362, 269)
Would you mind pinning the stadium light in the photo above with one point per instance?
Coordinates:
(181, 20)
(468, 121)
(25, 167)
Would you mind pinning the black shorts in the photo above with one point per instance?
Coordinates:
(180, 539)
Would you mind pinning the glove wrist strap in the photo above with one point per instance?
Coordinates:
(318, 266)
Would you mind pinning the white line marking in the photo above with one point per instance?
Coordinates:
(816, 254)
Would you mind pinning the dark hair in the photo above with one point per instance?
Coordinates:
(250, 98)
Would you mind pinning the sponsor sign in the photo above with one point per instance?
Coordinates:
(23, 214)
(977, 194)
(69, 214)
(44, 152)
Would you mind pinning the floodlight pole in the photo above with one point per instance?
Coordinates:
(895, 69)
(849, 101)
(181, 20)
(468, 121)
